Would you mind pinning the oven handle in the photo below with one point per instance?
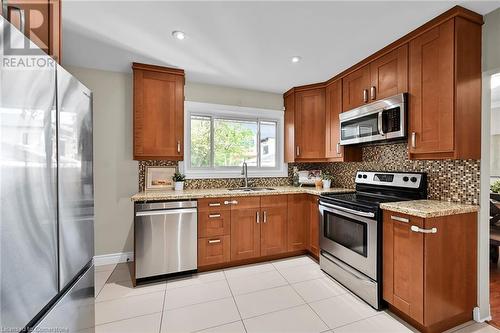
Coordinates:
(348, 210)
(380, 123)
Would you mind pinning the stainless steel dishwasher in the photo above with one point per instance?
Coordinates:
(165, 238)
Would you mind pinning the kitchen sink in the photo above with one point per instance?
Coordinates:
(251, 189)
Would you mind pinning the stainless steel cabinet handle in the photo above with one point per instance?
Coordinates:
(338, 148)
(365, 95)
(232, 202)
(214, 204)
(213, 216)
(373, 92)
(213, 241)
(257, 217)
(298, 151)
(400, 219)
(22, 16)
(414, 228)
(265, 217)
(178, 146)
(413, 140)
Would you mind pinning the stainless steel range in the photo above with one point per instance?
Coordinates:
(351, 229)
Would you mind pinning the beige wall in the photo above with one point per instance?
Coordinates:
(491, 41)
(115, 173)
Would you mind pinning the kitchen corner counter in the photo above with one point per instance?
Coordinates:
(429, 208)
(224, 192)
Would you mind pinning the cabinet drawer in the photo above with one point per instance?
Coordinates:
(402, 218)
(214, 250)
(214, 223)
(214, 204)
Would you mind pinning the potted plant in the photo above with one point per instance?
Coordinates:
(327, 180)
(495, 189)
(179, 179)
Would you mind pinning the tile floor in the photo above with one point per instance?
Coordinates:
(289, 295)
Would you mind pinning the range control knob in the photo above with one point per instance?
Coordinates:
(365, 176)
(413, 179)
(359, 176)
(405, 178)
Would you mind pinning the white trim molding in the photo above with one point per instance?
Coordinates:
(239, 113)
(113, 258)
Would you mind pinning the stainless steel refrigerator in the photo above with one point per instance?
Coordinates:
(46, 192)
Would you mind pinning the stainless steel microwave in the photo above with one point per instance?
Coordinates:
(381, 120)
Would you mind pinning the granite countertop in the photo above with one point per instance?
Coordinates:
(224, 192)
(428, 208)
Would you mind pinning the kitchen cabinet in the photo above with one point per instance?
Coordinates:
(298, 222)
(214, 250)
(333, 150)
(39, 20)
(310, 124)
(289, 99)
(355, 88)
(314, 225)
(158, 112)
(245, 228)
(429, 268)
(445, 92)
(389, 74)
(274, 225)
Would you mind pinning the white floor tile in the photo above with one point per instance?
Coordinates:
(318, 289)
(478, 328)
(382, 323)
(293, 262)
(125, 289)
(199, 316)
(198, 293)
(248, 270)
(302, 273)
(128, 307)
(246, 284)
(297, 319)
(265, 301)
(194, 279)
(236, 327)
(142, 324)
(342, 310)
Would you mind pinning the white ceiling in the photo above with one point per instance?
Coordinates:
(241, 44)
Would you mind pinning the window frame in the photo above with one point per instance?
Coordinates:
(238, 113)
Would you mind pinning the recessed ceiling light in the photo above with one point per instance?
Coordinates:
(296, 59)
(178, 35)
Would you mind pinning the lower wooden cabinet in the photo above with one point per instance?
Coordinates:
(214, 250)
(314, 224)
(245, 228)
(429, 268)
(298, 217)
(273, 233)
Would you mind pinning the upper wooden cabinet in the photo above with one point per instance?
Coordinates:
(310, 124)
(158, 112)
(355, 88)
(445, 92)
(40, 21)
(289, 99)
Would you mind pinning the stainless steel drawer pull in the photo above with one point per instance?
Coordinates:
(213, 216)
(232, 202)
(400, 219)
(414, 228)
(414, 140)
(257, 217)
(265, 216)
(214, 241)
(214, 204)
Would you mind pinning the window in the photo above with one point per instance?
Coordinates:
(220, 138)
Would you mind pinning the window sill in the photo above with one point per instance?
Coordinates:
(218, 174)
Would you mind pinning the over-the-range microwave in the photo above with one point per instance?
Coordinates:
(381, 120)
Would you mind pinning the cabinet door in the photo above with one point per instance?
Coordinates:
(245, 228)
(310, 124)
(403, 264)
(298, 221)
(389, 74)
(333, 103)
(355, 88)
(274, 225)
(290, 128)
(314, 225)
(158, 115)
(431, 81)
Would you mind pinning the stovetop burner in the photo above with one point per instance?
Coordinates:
(358, 198)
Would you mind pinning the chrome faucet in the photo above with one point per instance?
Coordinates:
(244, 172)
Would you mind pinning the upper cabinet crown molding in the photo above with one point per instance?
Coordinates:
(160, 69)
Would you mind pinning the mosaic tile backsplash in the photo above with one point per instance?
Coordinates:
(450, 180)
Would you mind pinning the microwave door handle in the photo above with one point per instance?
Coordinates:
(380, 125)
(348, 210)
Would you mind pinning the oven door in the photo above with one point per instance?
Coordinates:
(351, 236)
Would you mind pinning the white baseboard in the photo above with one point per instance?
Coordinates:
(113, 258)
